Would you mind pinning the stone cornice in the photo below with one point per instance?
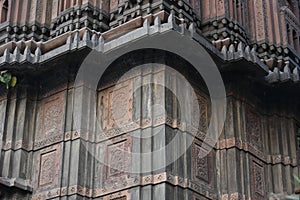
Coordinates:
(16, 53)
(87, 25)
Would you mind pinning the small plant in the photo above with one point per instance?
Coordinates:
(8, 79)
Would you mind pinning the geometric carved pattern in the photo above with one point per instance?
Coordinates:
(258, 180)
(260, 27)
(203, 107)
(115, 106)
(48, 167)
(117, 159)
(253, 129)
(51, 116)
(201, 166)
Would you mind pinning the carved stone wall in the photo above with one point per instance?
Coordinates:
(50, 120)
(47, 168)
(203, 168)
(47, 152)
(258, 183)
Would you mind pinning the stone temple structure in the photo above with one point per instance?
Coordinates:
(66, 138)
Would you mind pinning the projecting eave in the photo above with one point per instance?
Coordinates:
(31, 55)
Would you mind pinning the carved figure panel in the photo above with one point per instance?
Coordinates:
(51, 116)
(201, 118)
(253, 128)
(118, 159)
(48, 162)
(258, 180)
(259, 16)
(115, 106)
(50, 120)
(201, 166)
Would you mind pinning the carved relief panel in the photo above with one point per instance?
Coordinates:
(47, 168)
(253, 129)
(115, 106)
(202, 167)
(257, 179)
(117, 159)
(50, 120)
(204, 108)
(259, 19)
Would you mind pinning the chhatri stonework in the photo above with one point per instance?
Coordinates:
(51, 148)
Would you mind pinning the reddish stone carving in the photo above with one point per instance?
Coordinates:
(47, 164)
(220, 10)
(201, 166)
(203, 108)
(115, 106)
(113, 4)
(48, 168)
(51, 116)
(118, 159)
(253, 129)
(258, 180)
(259, 13)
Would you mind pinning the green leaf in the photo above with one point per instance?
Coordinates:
(8, 79)
(5, 77)
(13, 81)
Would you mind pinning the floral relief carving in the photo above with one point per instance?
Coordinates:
(253, 129)
(203, 117)
(201, 166)
(115, 106)
(259, 13)
(118, 159)
(50, 120)
(48, 168)
(47, 164)
(258, 180)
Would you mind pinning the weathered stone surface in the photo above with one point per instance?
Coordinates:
(56, 137)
